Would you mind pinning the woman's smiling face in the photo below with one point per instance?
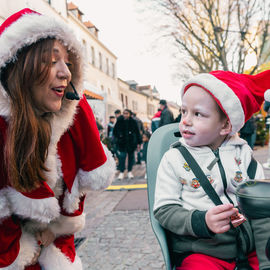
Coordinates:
(48, 96)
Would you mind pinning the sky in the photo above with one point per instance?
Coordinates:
(125, 29)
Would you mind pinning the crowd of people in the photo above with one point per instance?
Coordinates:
(128, 137)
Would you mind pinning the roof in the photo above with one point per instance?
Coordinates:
(88, 24)
(91, 95)
(155, 90)
(72, 6)
(144, 87)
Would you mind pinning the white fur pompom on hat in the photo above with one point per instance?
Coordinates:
(238, 95)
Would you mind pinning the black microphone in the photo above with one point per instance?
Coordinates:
(72, 96)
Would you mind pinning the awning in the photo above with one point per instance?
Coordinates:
(92, 95)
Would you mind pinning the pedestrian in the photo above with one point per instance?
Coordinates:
(141, 130)
(128, 139)
(50, 151)
(118, 114)
(109, 140)
(178, 118)
(166, 116)
(145, 138)
(155, 120)
(248, 131)
(200, 212)
(110, 127)
(100, 128)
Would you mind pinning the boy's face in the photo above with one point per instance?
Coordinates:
(201, 123)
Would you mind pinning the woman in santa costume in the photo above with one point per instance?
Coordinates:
(50, 151)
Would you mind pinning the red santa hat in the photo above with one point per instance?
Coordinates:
(27, 27)
(238, 95)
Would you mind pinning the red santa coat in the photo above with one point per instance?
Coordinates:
(77, 163)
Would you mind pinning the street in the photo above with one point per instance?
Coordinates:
(118, 231)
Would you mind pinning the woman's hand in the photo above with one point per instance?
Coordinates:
(218, 218)
(45, 238)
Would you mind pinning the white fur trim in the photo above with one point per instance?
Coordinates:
(99, 178)
(72, 199)
(43, 210)
(28, 248)
(5, 210)
(65, 225)
(52, 258)
(96, 179)
(226, 96)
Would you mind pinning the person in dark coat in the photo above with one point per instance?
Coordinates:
(178, 118)
(248, 131)
(141, 129)
(127, 138)
(155, 120)
(166, 116)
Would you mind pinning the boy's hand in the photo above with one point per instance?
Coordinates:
(218, 218)
(45, 238)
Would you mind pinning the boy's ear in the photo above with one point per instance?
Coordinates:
(227, 128)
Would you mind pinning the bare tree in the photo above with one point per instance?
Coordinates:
(217, 34)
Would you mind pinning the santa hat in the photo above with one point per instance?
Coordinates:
(238, 95)
(27, 27)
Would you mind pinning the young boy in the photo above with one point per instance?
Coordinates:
(214, 108)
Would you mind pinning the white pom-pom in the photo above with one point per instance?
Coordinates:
(267, 95)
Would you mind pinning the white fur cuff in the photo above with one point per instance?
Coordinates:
(101, 177)
(52, 258)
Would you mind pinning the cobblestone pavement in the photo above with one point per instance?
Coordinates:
(124, 240)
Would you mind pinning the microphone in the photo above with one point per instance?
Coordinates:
(72, 96)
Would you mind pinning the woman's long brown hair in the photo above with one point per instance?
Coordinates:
(28, 135)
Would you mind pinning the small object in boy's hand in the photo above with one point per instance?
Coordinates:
(237, 219)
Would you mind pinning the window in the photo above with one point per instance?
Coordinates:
(107, 66)
(102, 87)
(122, 100)
(113, 70)
(84, 47)
(100, 61)
(93, 55)
(126, 101)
